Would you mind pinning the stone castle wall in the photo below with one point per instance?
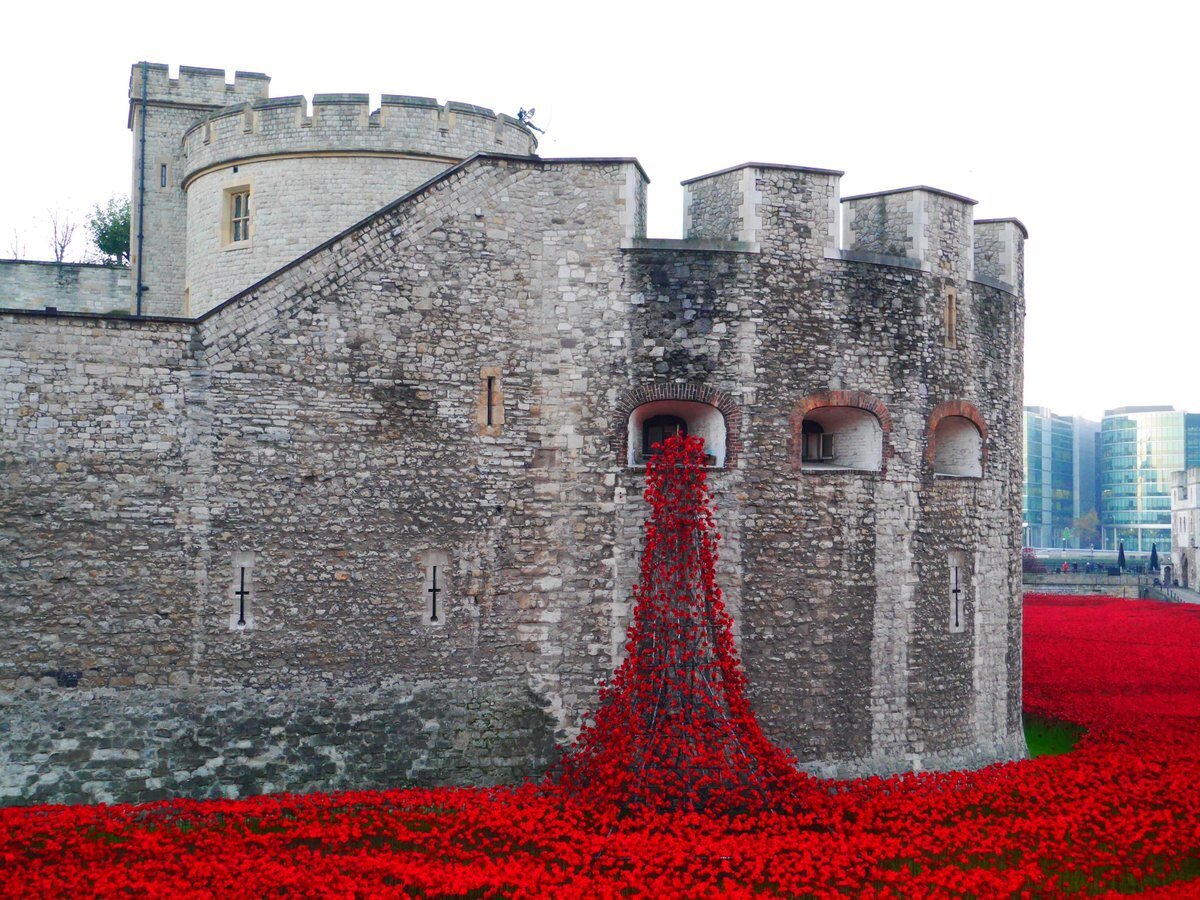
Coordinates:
(68, 287)
(325, 429)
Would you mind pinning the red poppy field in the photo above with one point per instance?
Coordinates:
(673, 790)
(1121, 812)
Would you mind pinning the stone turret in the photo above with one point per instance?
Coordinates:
(216, 153)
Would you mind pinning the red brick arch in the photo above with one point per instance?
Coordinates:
(694, 393)
(954, 408)
(855, 399)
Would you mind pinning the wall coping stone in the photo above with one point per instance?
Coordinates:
(62, 265)
(906, 190)
(693, 244)
(878, 259)
(988, 281)
(760, 165)
(1015, 221)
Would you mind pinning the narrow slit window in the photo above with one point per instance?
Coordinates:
(162, 175)
(951, 318)
(241, 592)
(958, 593)
(436, 587)
(490, 405)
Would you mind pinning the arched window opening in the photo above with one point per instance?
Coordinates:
(957, 448)
(654, 422)
(657, 429)
(841, 437)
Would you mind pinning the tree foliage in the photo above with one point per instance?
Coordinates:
(1087, 529)
(109, 225)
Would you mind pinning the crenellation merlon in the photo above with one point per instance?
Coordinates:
(926, 224)
(746, 204)
(1000, 251)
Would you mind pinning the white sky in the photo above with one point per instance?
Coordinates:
(1079, 120)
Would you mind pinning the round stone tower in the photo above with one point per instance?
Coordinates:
(234, 184)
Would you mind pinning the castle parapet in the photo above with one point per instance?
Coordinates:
(340, 123)
(748, 203)
(1000, 252)
(195, 86)
(930, 226)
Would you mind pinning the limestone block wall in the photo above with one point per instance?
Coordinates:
(69, 287)
(96, 526)
(314, 448)
(712, 206)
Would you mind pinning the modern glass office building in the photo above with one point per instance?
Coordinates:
(1140, 447)
(1060, 475)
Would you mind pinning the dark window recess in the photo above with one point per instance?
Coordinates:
(491, 399)
(657, 429)
(162, 175)
(817, 445)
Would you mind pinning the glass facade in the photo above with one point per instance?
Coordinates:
(1049, 503)
(1140, 447)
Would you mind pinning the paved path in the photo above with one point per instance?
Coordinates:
(1185, 595)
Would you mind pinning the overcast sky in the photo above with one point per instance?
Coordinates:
(1079, 123)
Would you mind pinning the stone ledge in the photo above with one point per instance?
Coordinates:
(699, 245)
(877, 259)
(988, 281)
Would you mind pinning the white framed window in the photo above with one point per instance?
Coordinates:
(239, 216)
(236, 225)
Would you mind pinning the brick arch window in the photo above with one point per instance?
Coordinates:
(956, 440)
(840, 431)
(705, 412)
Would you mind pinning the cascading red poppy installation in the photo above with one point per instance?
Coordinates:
(674, 729)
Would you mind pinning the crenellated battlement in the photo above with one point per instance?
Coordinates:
(195, 87)
(338, 123)
(1000, 252)
(921, 223)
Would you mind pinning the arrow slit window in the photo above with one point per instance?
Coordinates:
(958, 592)
(241, 592)
(435, 588)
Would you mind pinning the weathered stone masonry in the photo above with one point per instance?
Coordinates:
(325, 423)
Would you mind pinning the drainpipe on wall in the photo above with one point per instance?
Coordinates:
(141, 194)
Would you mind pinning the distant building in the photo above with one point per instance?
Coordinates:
(1185, 526)
(1060, 475)
(1141, 448)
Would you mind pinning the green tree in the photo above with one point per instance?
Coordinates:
(109, 225)
(1087, 529)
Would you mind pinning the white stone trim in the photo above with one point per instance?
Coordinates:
(749, 210)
